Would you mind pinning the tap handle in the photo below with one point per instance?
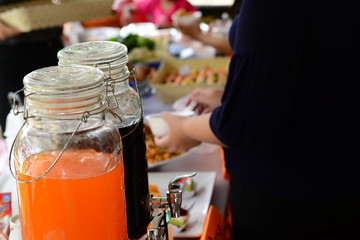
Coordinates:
(174, 183)
(174, 194)
(155, 229)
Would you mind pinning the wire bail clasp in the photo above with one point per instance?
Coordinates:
(85, 116)
(16, 102)
(110, 85)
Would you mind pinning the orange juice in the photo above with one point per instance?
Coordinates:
(82, 197)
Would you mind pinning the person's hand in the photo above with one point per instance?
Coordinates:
(206, 99)
(126, 13)
(176, 139)
(191, 30)
(7, 31)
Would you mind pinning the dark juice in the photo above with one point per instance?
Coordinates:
(136, 179)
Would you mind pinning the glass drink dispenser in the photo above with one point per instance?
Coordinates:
(68, 159)
(125, 111)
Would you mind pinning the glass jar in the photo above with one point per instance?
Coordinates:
(127, 115)
(68, 158)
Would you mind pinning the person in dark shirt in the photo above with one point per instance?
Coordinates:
(21, 53)
(288, 120)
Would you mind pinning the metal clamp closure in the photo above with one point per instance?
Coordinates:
(83, 119)
(110, 85)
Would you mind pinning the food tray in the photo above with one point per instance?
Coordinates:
(170, 92)
(39, 14)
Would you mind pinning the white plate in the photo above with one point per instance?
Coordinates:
(158, 164)
(188, 19)
(144, 29)
(179, 105)
(204, 187)
(99, 34)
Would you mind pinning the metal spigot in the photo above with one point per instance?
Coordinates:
(157, 227)
(174, 194)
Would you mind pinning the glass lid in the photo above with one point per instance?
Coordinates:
(93, 52)
(64, 91)
(61, 78)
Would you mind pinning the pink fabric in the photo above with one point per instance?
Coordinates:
(152, 8)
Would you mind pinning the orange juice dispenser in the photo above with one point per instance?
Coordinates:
(68, 159)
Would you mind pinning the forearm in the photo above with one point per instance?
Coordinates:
(220, 43)
(198, 128)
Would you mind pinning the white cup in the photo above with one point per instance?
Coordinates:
(15, 228)
(158, 125)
